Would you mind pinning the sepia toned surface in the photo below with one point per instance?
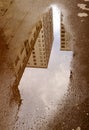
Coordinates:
(40, 54)
(17, 19)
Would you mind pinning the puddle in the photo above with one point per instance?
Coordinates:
(42, 89)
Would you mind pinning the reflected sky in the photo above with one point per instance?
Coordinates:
(42, 89)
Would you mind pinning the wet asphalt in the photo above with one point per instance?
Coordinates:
(74, 114)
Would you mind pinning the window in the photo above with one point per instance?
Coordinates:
(17, 59)
(33, 52)
(42, 36)
(44, 53)
(62, 46)
(62, 39)
(28, 63)
(63, 43)
(34, 60)
(34, 56)
(41, 60)
(62, 27)
(62, 35)
(25, 43)
(35, 63)
(63, 31)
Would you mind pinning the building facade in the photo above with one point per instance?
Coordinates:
(65, 38)
(24, 51)
(41, 53)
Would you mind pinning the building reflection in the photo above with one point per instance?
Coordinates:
(65, 37)
(41, 53)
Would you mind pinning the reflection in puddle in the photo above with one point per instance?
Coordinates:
(83, 6)
(42, 89)
(82, 14)
(78, 128)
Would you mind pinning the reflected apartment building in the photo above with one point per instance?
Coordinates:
(24, 51)
(65, 38)
(41, 53)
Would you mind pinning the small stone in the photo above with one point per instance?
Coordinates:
(87, 114)
(63, 123)
(78, 108)
(82, 20)
(78, 128)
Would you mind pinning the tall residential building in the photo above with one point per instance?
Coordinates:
(24, 51)
(41, 53)
(65, 38)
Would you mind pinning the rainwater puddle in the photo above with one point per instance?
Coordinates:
(42, 89)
